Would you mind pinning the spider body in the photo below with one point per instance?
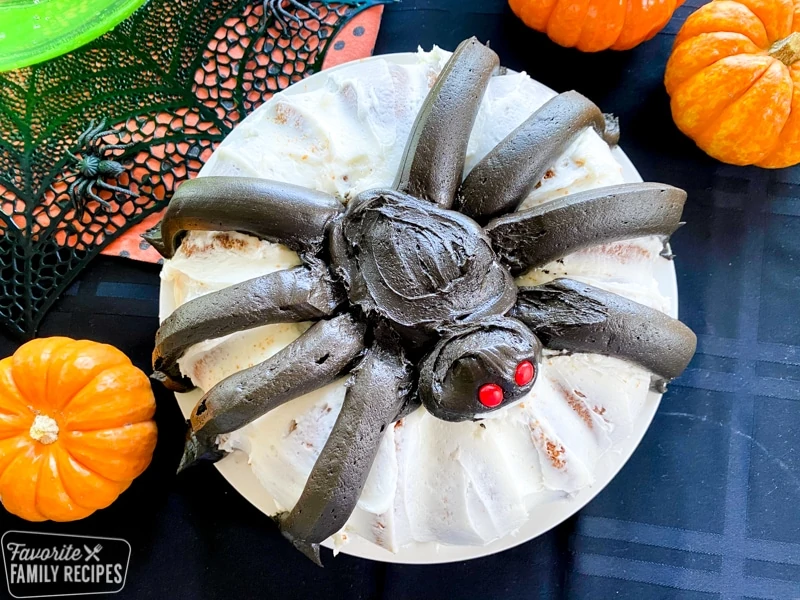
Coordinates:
(92, 166)
(415, 300)
(417, 266)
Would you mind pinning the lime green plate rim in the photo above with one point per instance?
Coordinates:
(104, 21)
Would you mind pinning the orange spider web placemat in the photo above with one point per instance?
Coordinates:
(354, 40)
(93, 142)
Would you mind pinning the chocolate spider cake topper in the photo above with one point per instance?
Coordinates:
(418, 302)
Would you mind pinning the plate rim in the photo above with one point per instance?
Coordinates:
(109, 17)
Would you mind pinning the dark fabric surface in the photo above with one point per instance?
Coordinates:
(708, 505)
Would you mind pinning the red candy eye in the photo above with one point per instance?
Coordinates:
(490, 395)
(524, 373)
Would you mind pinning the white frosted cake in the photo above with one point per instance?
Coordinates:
(466, 483)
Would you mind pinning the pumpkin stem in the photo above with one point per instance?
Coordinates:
(787, 50)
(44, 429)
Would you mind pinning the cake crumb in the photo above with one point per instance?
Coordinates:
(576, 404)
(555, 452)
(229, 242)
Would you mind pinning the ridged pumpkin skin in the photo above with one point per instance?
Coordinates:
(103, 407)
(594, 25)
(733, 81)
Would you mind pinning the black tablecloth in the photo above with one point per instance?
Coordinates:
(708, 505)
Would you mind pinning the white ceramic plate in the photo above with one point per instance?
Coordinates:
(235, 469)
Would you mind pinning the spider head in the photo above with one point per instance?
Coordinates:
(88, 166)
(477, 368)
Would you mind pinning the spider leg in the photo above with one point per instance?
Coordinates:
(77, 193)
(90, 192)
(275, 211)
(89, 136)
(287, 296)
(106, 147)
(87, 133)
(503, 178)
(102, 134)
(63, 178)
(380, 387)
(433, 160)
(576, 317)
(315, 359)
(96, 140)
(281, 14)
(300, 6)
(115, 188)
(532, 238)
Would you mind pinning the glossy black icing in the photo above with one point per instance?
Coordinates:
(573, 316)
(380, 386)
(417, 266)
(469, 356)
(323, 353)
(291, 295)
(509, 172)
(271, 210)
(433, 161)
(534, 237)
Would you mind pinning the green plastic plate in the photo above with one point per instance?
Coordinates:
(34, 30)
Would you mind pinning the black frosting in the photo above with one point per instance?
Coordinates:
(416, 265)
(469, 356)
(381, 385)
(505, 176)
(271, 210)
(612, 132)
(532, 238)
(433, 161)
(573, 316)
(323, 353)
(291, 295)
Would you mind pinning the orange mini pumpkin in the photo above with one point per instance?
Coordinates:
(593, 25)
(75, 428)
(733, 81)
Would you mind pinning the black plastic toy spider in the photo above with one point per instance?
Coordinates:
(412, 288)
(93, 166)
(283, 16)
